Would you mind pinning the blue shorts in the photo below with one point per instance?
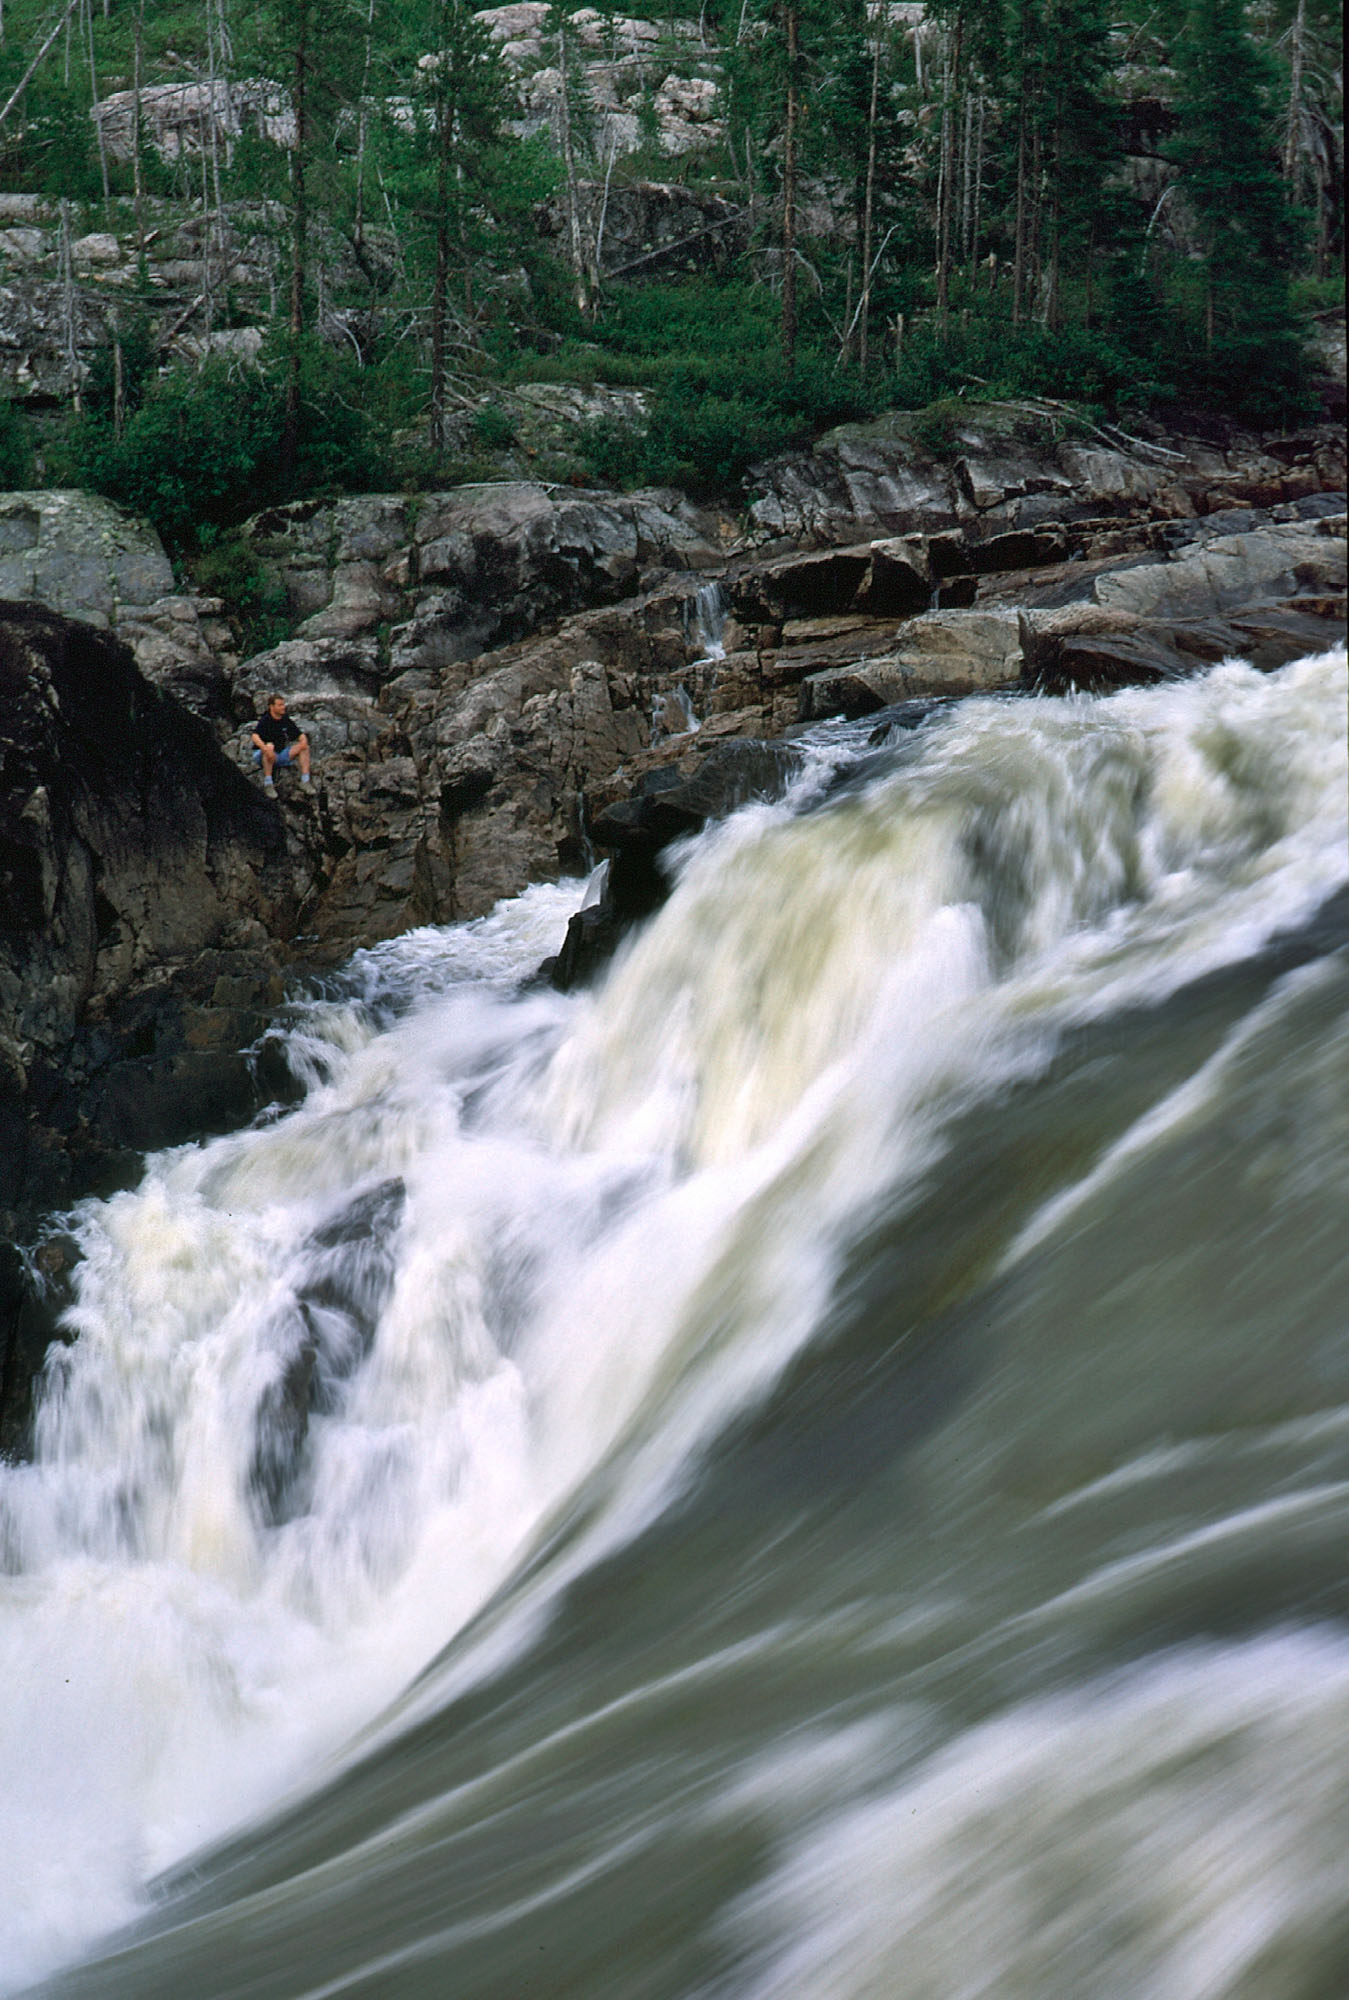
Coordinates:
(282, 756)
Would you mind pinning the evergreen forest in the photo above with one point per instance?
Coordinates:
(407, 235)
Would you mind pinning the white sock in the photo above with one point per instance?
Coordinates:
(304, 777)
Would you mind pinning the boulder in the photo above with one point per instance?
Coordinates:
(667, 805)
(1268, 596)
(80, 555)
(139, 876)
(454, 574)
(941, 652)
(1227, 572)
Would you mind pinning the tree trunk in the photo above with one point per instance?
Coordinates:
(93, 105)
(946, 173)
(576, 244)
(441, 286)
(118, 382)
(137, 175)
(1022, 176)
(1292, 145)
(869, 208)
(68, 311)
(299, 248)
(793, 24)
(977, 204)
(363, 123)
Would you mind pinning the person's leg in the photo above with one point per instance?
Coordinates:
(302, 754)
(268, 764)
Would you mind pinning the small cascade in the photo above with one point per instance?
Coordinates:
(705, 616)
(672, 714)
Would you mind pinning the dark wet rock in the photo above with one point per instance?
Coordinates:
(35, 1290)
(667, 806)
(903, 716)
(139, 877)
(348, 1278)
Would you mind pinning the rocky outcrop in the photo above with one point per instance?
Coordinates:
(666, 805)
(1006, 470)
(453, 767)
(79, 555)
(1268, 593)
(142, 881)
(452, 574)
(642, 78)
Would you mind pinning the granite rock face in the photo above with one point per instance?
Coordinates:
(81, 556)
(472, 722)
(141, 883)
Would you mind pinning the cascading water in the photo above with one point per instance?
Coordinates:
(707, 621)
(816, 1470)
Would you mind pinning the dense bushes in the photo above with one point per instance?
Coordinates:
(202, 450)
(16, 450)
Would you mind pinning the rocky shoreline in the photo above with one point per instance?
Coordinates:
(505, 682)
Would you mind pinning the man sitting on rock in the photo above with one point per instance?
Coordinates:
(274, 738)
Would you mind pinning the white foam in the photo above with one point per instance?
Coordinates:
(621, 1218)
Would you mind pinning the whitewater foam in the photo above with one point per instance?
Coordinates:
(514, 1260)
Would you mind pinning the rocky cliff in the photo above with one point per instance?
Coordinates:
(142, 883)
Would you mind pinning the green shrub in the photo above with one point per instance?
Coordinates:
(935, 427)
(200, 451)
(16, 450)
(204, 449)
(228, 566)
(492, 428)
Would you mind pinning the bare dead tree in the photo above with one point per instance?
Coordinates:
(789, 138)
(574, 236)
(1296, 56)
(62, 21)
(869, 207)
(93, 104)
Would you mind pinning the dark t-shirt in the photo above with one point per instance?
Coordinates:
(278, 730)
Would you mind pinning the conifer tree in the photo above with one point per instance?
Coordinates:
(311, 49)
(1227, 151)
(447, 167)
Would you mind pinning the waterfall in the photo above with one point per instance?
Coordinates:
(672, 714)
(706, 618)
(555, 1462)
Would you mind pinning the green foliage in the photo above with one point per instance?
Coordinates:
(997, 161)
(720, 396)
(227, 566)
(935, 428)
(203, 449)
(195, 452)
(139, 362)
(1249, 351)
(493, 428)
(988, 357)
(16, 450)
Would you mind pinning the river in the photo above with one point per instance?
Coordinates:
(817, 1470)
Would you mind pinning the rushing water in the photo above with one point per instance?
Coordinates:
(816, 1472)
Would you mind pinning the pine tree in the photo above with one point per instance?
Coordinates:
(1227, 152)
(312, 50)
(445, 169)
